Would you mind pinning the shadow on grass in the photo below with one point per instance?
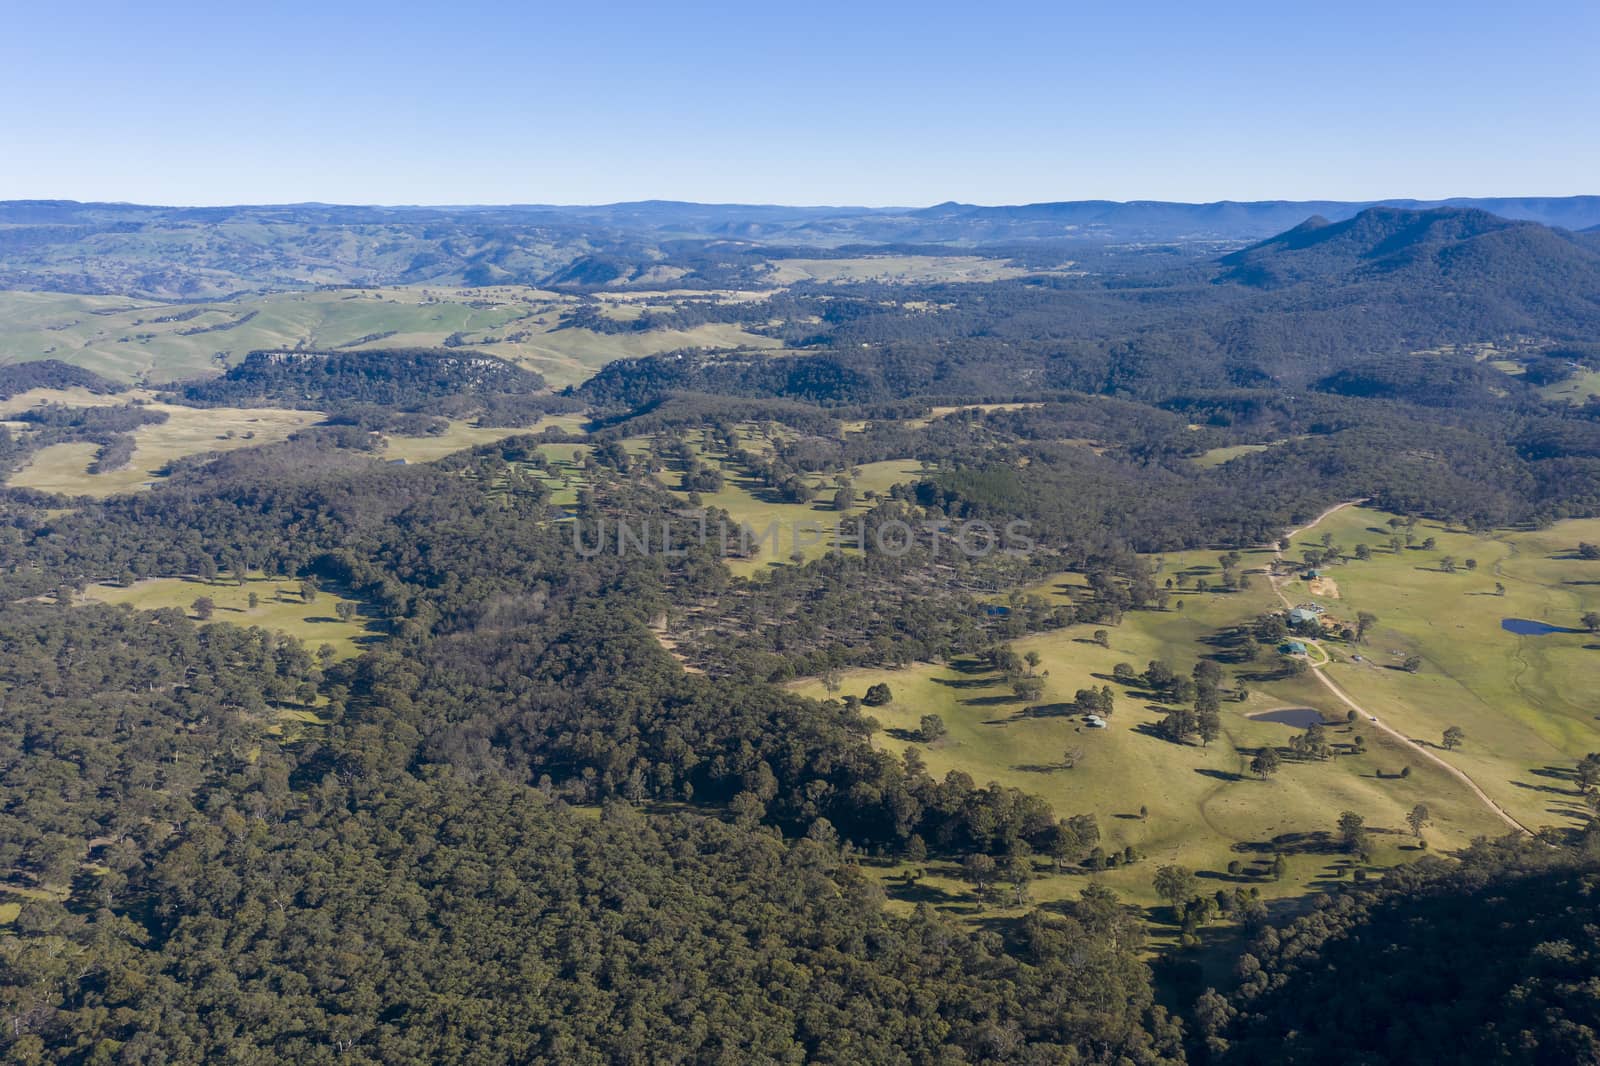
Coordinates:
(992, 701)
(1316, 843)
(967, 682)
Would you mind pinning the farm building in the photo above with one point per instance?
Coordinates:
(1301, 615)
(1094, 721)
(1312, 574)
(1292, 647)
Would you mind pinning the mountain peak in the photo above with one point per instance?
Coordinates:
(1377, 240)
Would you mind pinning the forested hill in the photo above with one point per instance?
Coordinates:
(409, 378)
(1285, 314)
(50, 374)
(1420, 248)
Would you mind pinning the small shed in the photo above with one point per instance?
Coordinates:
(1094, 721)
(1312, 574)
(1292, 647)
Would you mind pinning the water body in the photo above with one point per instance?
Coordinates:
(1299, 717)
(1526, 627)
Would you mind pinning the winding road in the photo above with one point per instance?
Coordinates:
(1278, 581)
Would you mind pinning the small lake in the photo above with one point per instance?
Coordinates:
(1526, 627)
(1299, 717)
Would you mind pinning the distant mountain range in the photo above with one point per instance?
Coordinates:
(1225, 220)
(206, 252)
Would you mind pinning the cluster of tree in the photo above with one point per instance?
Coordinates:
(376, 419)
(418, 379)
(17, 378)
(108, 426)
(110, 418)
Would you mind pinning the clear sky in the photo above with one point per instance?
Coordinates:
(805, 103)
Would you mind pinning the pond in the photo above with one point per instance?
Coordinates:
(1299, 717)
(1526, 627)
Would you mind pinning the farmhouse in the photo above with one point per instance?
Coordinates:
(1292, 647)
(1301, 615)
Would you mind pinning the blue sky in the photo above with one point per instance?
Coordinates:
(815, 103)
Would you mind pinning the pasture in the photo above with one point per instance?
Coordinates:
(1580, 388)
(752, 505)
(1526, 702)
(148, 342)
(461, 434)
(64, 468)
(280, 608)
(1205, 808)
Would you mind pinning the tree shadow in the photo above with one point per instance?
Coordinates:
(1547, 789)
(967, 682)
(1048, 710)
(991, 701)
(1219, 775)
(919, 891)
(1319, 842)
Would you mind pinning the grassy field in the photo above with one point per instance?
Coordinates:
(74, 397)
(64, 468)
(572, 356)
(461, 434)
(1217, 456)
(122, 339)
(280, 608)
(1526, 703)
(1580, 388)
(1205, 809)
(752, 505)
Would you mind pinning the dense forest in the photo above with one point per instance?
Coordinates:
(1487, 958)
(405, 378)
(17, 378)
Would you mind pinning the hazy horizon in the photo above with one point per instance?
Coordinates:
(463, 205)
